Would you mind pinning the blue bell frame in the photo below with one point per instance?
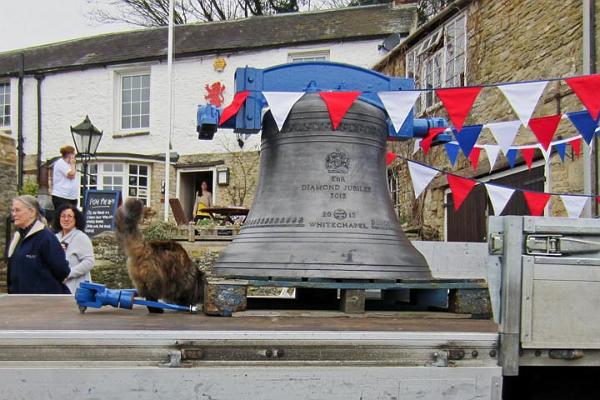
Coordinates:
(310, 77)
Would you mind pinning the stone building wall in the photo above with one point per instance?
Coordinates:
(8, 183)
(507, 41)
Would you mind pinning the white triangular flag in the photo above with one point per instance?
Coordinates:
(281, 103)
(398, 104)
(417, 145)
(523, 97)
(573, 204)
(504, 133)
(420, 176)
(499, 196)
(492, 154)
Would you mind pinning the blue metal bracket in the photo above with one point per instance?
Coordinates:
(312, 77)
(95, 295)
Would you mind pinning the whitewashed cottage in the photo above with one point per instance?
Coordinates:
(120, 81)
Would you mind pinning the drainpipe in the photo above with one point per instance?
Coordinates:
(590, 165)
(20, 151)
(39, 79)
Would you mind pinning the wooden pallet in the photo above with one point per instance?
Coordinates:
(223, 297)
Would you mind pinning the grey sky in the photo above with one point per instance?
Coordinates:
(26, 23)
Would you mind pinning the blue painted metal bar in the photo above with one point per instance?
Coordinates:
(95, 295)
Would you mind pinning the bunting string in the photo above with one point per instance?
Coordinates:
(498, 194)
(458, 101)
(441, 171)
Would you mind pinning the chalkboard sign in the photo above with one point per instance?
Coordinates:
(100, 207)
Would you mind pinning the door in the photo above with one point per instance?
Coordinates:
(469, 223)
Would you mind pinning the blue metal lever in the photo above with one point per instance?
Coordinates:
(95, 295)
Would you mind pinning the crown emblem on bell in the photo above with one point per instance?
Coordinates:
(337, 162)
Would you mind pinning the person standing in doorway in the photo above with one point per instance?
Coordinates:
(65, 185)
(203, 200)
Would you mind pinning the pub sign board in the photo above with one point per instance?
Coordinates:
(100, 207)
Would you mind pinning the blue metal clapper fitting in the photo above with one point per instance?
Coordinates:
(95, 295)
(307, 77)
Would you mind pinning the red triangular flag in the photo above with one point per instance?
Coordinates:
(587, 89)
(425, 143)
(474, 157)
(389, 158)
(544, 128)
(461, 187)
(536, 201)
(338, 104)
(234, 107)
(528, 156)
(576, 145)
(458, 102)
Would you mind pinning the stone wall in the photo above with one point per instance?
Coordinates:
(110, 268)
(506, 41)
(8, 183)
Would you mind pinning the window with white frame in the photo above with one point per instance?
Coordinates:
(321, 55)
(132, 180)
(4, 104)
(438, 61)
(454, 44)
(138, 181)
(135, 101)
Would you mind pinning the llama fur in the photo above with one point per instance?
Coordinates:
(159, 269)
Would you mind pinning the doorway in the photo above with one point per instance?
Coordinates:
(188, 183)
(469, 223)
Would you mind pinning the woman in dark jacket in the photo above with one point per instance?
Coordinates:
(36, 260)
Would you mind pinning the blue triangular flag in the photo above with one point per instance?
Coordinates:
(511, 156)
(584, 123)
(452, 150)
(467, 137)
(562, 149)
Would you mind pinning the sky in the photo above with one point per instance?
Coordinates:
(26, 23)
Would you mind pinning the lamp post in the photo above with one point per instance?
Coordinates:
(86, 138)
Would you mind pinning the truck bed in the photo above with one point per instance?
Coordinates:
(47, 313)
(48, 349)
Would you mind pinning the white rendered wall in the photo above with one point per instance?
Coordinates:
(68, 97)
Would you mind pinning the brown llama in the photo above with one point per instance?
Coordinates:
(159, 269)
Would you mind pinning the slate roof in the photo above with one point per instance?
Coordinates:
(253, 33)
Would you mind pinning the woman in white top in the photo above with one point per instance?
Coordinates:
(65, 186)
(77, 245)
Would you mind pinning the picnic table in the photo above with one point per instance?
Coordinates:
(227, 212)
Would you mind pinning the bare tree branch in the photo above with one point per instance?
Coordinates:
(149, 13)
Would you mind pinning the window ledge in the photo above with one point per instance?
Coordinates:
(6, 131)
(129, 134)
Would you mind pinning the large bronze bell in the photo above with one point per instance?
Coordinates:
(322, 207)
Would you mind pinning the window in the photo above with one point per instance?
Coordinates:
(455, 52)
(4, 104)
(135, 101)
(322, 55)
(438, 61)
(132, 180)
(138, 182)
(112, 177)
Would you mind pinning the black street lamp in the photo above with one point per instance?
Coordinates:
(86, 138)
